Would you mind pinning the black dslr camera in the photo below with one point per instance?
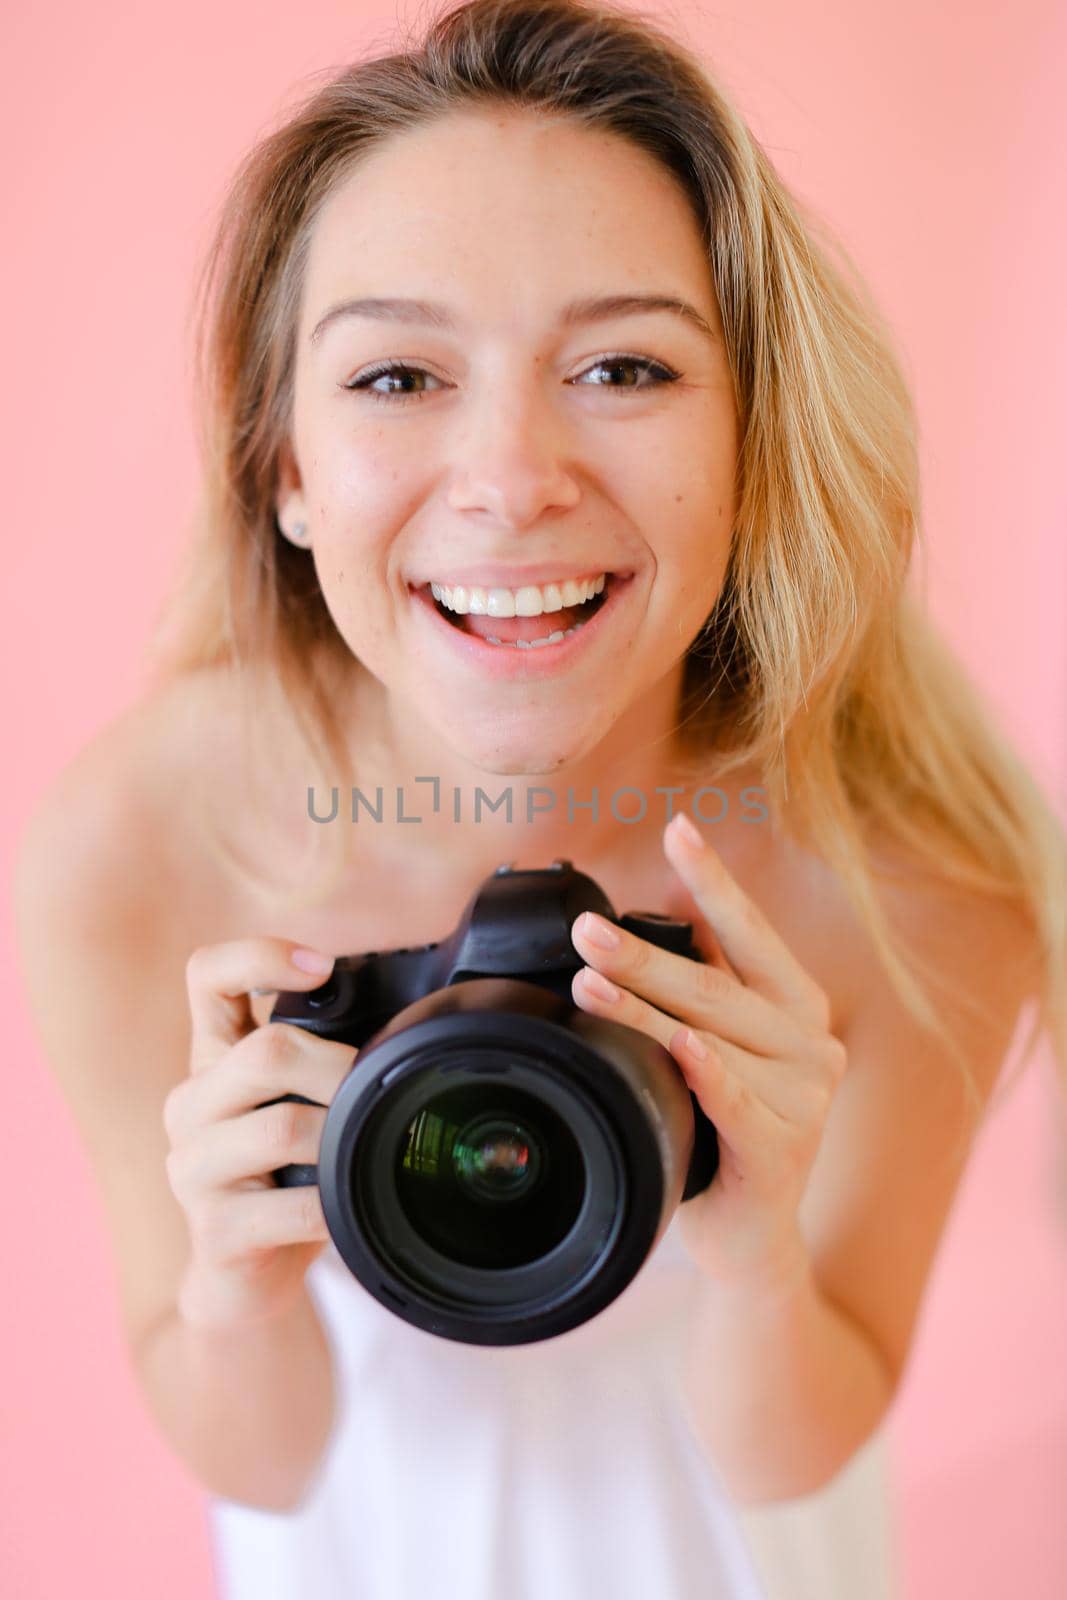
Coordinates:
(498, 1163)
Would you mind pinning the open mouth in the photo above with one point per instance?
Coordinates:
(528, 633)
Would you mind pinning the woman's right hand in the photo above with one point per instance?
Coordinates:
(251, 1241)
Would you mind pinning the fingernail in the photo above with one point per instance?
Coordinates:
(597, 984)
(687, 832)
(695, 1047)
(311, 961)
(599, 932)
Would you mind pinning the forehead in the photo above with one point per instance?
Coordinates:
(507, 203)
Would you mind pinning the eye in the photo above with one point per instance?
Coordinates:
(387, 369)
(654, 371)
(657, 373)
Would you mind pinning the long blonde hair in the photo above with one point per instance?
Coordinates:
(817, 661)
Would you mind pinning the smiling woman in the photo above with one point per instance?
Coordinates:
(508, 425)
(544, 439)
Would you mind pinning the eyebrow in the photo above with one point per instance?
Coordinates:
(596, 308)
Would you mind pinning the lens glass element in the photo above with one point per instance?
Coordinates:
(489, 1175)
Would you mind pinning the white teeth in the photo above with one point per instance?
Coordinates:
(533, 644)
(529, 601)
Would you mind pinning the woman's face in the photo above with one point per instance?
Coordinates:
(519, 447)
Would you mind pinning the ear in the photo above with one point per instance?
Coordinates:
(289, 508)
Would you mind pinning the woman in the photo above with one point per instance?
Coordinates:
(883, 894)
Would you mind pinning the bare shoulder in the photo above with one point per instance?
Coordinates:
(963, 939)
(968, 940)
(902, 1124)
(140, 849)
(106, 834)
(119, 860)
(108, 898)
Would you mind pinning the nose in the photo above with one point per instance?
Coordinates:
(511, 461)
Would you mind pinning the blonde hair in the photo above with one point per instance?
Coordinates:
(816, 660)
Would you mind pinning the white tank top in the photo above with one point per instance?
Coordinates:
(563, 1468)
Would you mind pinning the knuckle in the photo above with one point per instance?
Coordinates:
(739, 1099)
(277, 1048)
(637, 954)
(341, 1062)
(235, 1231)
(819, 1006)
(173, 1109)
(827, 1061)
(176, 1166)
(837, 1059)
(282, 1127)
(220, 1244)
(310, 1214)
(755, 923)
(815, 1101)
(712, 982)
(188, 1182)
(798, 1152)
(207, 1224)
(716, 1061)
(194, 967)
(816, 1045)
(249, 1231)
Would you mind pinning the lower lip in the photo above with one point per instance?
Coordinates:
(509, 661)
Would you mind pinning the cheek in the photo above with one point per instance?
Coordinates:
(359, 478)
(688, 499)
(371, 478)
(694, 536)
(349, 576)
(692, 555)
(363, 500)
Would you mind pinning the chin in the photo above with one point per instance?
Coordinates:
(524, 764)
(523, 758)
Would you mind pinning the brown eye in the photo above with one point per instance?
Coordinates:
(388, 369)
(658, 373)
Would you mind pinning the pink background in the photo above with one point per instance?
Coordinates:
(929, 136)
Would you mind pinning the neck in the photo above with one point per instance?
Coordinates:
(583, 810)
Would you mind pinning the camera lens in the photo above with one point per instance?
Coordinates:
(489, 1176)
(496, 1158)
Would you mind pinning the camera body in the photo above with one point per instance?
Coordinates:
(498, 1163)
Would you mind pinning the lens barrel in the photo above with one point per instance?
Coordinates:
(499, 1163)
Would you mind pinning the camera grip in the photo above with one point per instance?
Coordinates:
(301, 1175)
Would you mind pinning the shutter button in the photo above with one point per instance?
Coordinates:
(325, 995)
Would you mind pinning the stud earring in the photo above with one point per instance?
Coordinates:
(298, 534)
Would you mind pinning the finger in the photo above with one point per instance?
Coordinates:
(711, 950)
(249, 1146)
(790, 1097)
(251, 1220)
(679, 904)
(706, 996)
(753, 947)
(220, 978)
(720, 1092)
(589, 989)
(275, 1059)
(796, 1098)
(743, 1118)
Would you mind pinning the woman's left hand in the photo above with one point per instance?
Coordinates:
(771, 1067)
